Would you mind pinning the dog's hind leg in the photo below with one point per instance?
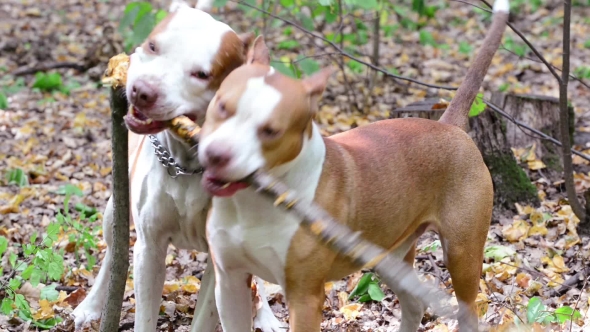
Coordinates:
(265, 319)
(206, 315)
(91, 308)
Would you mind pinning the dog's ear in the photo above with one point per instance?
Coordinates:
(258, 53)
(316, 84)
(177, 4)
(204, 5)
(247, 39)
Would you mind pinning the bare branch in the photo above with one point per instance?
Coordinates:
(346, 54)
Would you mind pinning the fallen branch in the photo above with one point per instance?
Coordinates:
(48, 66)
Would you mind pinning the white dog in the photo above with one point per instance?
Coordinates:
(176, 71)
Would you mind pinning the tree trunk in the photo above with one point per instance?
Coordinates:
(541, 113)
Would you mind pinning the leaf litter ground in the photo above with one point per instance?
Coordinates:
(59, 139)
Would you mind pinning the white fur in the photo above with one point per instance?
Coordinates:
(240, 133)
(501, 6)
(248, 235)
(204, 5)
(167, 210)
(188, 44)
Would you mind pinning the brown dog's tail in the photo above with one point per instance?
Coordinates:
(458, 111)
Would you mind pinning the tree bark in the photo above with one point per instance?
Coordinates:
(120, 265)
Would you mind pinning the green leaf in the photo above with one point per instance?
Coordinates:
(12, 259)
(426, 38)
(47, 82)
(6, 306)
(142, 28)
(434, 246)
(3, 101)
(306, 21)
(55, 270)
(21, 302)
(219, 3)
(129, 16)
(160, 15)
(375, 292)
(285, 69)
(17, 176)
(355, 66)
(586, 45)
(418, 6)
(368, 4)
(362, 286)
(534, 310)
(3, 245)
(47, 323)
(14, 283)
(49, 293)
(87, 210)
(325, 2)
(365, 298)
(69, 189)
(287, 3)
(566, 313)
(309, 66)
(478, 106)
(288, 44)
(497, 252)
(36, 276)
(465, 48)
(53, 231)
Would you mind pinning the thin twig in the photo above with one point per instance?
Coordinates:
(474, 5)
(346, 54)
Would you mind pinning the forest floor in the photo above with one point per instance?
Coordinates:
(60, 139)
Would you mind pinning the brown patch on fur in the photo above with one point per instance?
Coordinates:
(230, 56)
(157, 30)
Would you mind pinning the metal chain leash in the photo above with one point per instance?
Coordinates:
(164, 157)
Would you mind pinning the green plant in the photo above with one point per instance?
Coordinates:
(139, 19)
(39, 260)
(433, 246)
(367, 289)
(582, 72)
(48, 82)
(537, 312)
(3, 101)
(517, 48)
(497, 253)
(465, 48)
(17, 176)
(478, 106)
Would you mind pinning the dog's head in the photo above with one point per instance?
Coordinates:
(259, 119)
(178, 68)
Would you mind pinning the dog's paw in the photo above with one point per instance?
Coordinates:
(266, 321)
(86, 314)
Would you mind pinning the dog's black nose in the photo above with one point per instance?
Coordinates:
(218, 155)
(143, 94)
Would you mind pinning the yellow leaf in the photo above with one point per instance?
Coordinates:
(559, 264)
(328, 287)
(536, 165)
(191, 284)
(80, 120)
(537, 230)
(482, 304)
(516, 232)
(351, 311)
(45, 310)
(170, 286)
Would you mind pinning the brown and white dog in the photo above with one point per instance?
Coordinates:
(175, 72)
(391, 180)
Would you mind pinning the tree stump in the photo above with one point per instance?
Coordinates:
(538, 112)
(511, 183)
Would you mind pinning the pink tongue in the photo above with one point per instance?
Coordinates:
(230, 190)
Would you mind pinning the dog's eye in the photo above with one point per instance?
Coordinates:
(268, 132)
(152, 46)
(202, 75)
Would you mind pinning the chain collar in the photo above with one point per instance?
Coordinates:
(164, 157)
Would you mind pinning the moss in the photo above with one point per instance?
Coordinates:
(511, 184)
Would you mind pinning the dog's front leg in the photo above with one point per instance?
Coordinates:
(149, 273)
(206, 316)
(91, 308)
(233, 294)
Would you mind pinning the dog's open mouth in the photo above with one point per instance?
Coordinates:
(221, 188)
(139, 123)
